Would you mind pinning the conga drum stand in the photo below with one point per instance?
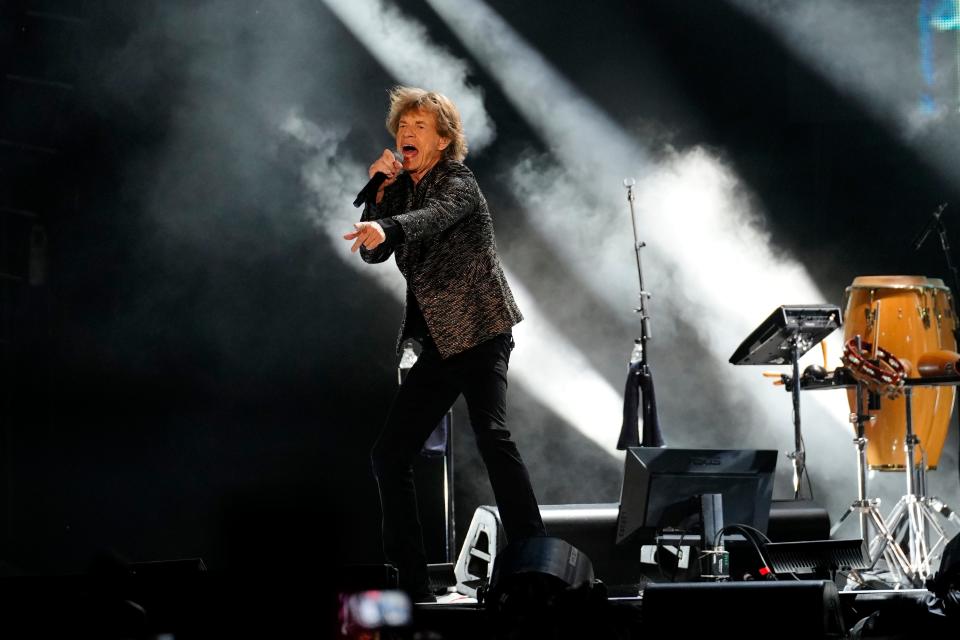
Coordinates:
(883, 544)
(915, 512)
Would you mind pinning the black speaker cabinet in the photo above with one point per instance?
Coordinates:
(591, 528)
(764, 609)
(797, 520)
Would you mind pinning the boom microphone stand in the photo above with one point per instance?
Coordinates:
(936, 222)
(639, 378)
(945, 245)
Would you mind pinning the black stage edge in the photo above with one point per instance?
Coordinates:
(808, 609)
(207, 605)
(210, 605)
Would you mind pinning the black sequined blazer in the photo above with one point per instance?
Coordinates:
(448, 256)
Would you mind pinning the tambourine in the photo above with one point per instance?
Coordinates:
(884, 374)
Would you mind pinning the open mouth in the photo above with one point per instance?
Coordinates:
(409, 151)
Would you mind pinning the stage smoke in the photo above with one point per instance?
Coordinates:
(709, 255)
(545, 364)
(331, 180)
(404, 48)
(897, 60)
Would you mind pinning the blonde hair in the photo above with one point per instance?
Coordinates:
(449, 126)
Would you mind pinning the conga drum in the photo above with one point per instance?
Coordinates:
(915, 316)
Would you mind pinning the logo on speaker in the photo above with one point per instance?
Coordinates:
(704, 462)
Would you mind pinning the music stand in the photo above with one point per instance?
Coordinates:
(783, 338)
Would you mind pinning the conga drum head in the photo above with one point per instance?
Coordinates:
(907, 316)
(889, 282)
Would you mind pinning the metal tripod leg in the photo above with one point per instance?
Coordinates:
(914, 515)
(909, 522)
(883, 543)
(927, 513)
(892, 524)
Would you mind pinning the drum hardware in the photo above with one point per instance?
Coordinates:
(868, 509)
(783, 338)
(913, 518)
(870, 315)
(924, 315)
(910, 537)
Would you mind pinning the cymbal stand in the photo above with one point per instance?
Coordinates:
(914, 512)
(867, 509)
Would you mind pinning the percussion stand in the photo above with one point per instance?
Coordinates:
(797, 328)
(798, 455)
(914, 511)
(867, 509)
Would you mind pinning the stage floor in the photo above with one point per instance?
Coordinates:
(291, 604)
(765, 609)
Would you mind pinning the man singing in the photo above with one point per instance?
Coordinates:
(431, 213)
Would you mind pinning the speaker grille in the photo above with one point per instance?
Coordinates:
(817, 555)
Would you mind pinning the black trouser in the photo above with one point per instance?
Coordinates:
(429, 390)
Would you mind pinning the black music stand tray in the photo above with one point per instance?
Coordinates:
(783, 338)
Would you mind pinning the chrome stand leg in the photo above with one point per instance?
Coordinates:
(912, 521)
(883, 544)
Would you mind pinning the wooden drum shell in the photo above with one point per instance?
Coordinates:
(916, 316)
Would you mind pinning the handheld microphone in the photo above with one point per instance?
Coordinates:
(369, 192)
